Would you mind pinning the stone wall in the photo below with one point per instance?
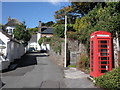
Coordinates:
(76, 49)
(73, 47)
(119, 58)
(74, 52)
(58, 58)
(116, 52)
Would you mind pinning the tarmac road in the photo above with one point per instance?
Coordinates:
(34, 71)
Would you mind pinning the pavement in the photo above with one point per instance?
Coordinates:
(36, 71)
(77, 79)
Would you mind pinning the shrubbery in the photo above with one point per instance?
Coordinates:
(41, 40)
(83, 64)
(110, 81)
(59, 31)
(72, 35)
(22, 34)
(56, 43)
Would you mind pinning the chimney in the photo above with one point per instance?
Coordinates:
(40, 26)
(9, 19)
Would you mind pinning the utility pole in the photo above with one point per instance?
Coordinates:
(65, 59)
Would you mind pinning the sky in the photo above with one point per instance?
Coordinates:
(31, 12)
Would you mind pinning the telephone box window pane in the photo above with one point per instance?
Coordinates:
(103, 66)
(92, 58)
(92, 69)
(92, 62)
(103, 54)
(104, 46)
(99, 58)
(91, 53)
(103, 50)
(103, 71)
(104, 62)
(103, 41)
(103, 58)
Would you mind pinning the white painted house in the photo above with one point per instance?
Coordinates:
(4, 63)
(33, 44)
(42, 32)
(10, 50)
(10, 25)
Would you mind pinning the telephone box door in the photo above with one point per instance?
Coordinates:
(104, 55)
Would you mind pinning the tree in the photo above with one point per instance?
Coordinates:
(33, 30)
(21, 34)
(0, 26)
(59, 30)
(73, 11)
(41, 40)
(60, 15)
(82, 8)
(48, 24)
(105, 18)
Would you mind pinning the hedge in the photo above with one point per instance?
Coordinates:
(110, 80)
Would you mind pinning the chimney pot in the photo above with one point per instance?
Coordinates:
(9, 19)
(40, 26)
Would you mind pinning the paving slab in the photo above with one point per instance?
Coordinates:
(77, 79)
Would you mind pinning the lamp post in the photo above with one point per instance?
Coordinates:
(65, 59)
(65, 33)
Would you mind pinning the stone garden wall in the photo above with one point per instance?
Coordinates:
(76, 49)
(116, 52)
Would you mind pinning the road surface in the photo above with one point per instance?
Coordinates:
(36, 71)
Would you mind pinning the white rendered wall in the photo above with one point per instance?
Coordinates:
(38, 37)
(10, 29)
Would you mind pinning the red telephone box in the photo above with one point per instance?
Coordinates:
(100, 53)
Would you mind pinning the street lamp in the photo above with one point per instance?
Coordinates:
(65, 59)
(65, 33)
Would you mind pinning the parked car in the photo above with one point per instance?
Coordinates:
(31, 49)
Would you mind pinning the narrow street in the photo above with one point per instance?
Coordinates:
(35, 70)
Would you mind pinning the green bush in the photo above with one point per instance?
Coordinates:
(72, 35)
(84, 61)
(41, 40)
(59, 31)
(55, 43)
(83, 64)
(110, 80)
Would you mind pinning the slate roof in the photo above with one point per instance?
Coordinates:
(6, 34)
(10, 37)
(48, 31)
(13, 22)
(33, 38)
(1, 42)
(43, 28)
